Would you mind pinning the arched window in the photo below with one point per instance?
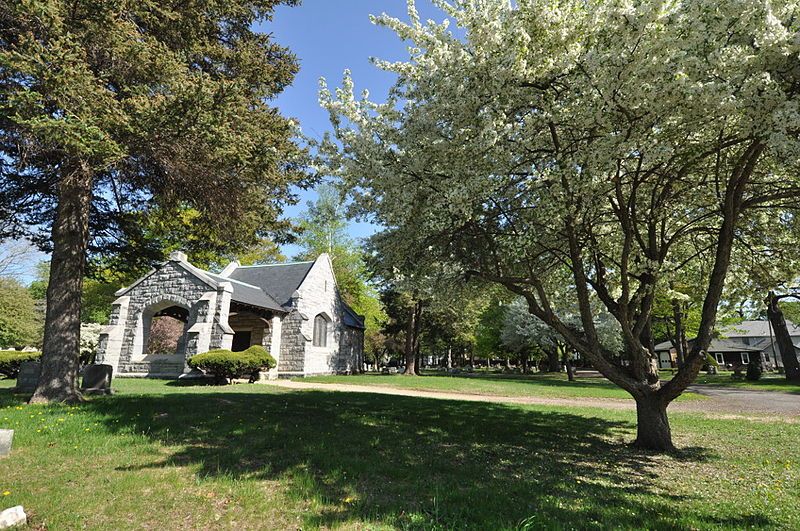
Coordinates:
(320, 331)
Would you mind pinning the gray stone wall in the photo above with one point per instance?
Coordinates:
(169, 284)
(293, 344)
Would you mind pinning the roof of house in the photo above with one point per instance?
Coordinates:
(716, 345)
(249, 294)
(352, 319)
(279, 281)
(754, 329)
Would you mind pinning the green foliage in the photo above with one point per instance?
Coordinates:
(224, 364)
(20, 323)
(96, 297)
(489, 330)
(323, 229)
(754, 369)
(10, 360)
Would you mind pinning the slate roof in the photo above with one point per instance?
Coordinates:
(249, 294)
(754, 329)
(716, 345)
(352, 319)
(279, 281)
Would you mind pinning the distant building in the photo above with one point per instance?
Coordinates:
(293, 310)
(737, 344)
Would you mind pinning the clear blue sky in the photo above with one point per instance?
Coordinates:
(328, 37)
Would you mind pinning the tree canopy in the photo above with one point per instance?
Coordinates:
(115, 116)
(584, 154)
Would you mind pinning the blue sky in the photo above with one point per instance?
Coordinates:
(328, 37)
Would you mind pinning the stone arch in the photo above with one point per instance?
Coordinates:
(152, 307)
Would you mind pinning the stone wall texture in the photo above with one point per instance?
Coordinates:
(171, 284)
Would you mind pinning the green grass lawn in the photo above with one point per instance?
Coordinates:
(768, 382)
(166, 456)
(539, 385)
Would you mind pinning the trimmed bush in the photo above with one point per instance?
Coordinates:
(10, 361)
(754, 370)
(224, 364)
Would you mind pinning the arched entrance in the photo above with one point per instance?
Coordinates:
(161, 330)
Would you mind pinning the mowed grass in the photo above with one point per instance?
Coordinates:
(768, 382)
(547, 385)
(164, 456)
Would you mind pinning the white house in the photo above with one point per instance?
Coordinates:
(294, 310)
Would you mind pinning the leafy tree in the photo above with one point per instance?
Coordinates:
(323, 229)
(489, 330)
(597, 143)
(20, 323)
(111, 112)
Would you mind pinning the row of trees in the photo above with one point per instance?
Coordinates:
(591, 156)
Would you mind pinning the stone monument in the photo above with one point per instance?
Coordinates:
(97, 379)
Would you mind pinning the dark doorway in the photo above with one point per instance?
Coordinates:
(241, 341)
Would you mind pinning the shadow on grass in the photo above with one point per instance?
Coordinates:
(408, 462)
(539, 380)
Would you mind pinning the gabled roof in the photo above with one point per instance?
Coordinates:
(754, 329)
(716, 345)
(279, 281)
(248, 294)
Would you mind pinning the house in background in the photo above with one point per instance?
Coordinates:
(293, 310)
(738, 343)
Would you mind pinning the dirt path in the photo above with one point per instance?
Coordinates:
(721, 403)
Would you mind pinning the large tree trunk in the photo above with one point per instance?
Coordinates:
(449, 357)
(410, 351)
(680, 342)
(70, 234)
(567, 364)
(791, 366)
(652, 426)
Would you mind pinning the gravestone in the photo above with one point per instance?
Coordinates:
(6, 438)
(97, 379)
(13, 517)
(28, 377)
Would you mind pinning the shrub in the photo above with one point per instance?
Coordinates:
(754, 370)
(10, 360)
(224, 364)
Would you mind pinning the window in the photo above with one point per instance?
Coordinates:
(320, 331)
(745, 357)
(720, 358)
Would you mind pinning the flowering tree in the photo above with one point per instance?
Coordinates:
(579, 151)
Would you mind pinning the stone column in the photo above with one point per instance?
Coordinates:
(275, 344)
(224, 332)
(199, 334)
(110, 344)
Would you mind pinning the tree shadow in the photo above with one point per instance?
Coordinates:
(411, 462)
(539, 380)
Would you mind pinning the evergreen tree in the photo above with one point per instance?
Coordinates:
(111, 112)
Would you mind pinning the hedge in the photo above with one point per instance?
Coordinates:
(224, 364)
(10, 361)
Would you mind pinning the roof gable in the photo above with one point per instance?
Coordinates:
(280, 281)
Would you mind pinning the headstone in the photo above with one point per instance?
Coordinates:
(6, 437)
(97, 379)
(13, 517)
(28, 377)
